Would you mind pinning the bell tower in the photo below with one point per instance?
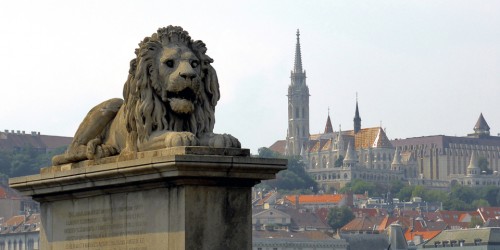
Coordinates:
(298, 106)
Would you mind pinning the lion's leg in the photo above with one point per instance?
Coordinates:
(170, 139)
(219, 141)
(94, 126)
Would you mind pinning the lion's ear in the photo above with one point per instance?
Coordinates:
(212, 85)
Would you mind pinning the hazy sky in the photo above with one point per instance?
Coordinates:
(419, 67)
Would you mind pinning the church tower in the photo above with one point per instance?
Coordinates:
(298, 106)
(357, 118)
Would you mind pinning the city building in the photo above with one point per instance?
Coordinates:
(20, 232)
(471, 238)
(442, 158)
(11, 141)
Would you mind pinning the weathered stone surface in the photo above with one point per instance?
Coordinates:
(166, 200)
(169, 100)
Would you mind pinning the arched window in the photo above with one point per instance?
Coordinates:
(296, 112)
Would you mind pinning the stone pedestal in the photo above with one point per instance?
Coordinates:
(177, 198)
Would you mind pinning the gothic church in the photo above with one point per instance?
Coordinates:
(335, 158)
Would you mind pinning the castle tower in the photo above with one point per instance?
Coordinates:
(357, 118)
(298, 106)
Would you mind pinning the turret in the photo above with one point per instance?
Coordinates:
(396, 162)
(357, 118)
(473, 169)
(481, 129)
(351, 159)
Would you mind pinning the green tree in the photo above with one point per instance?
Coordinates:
(359, 186)
(405, 193)
(268, 153)
(396, 186)
(339, 162)
(480, 203)
(483, 164)
(490, 194)
(294, 179)
(339, 217)
(475, 221)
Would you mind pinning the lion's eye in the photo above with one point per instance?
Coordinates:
(195, 63)
(170, 63)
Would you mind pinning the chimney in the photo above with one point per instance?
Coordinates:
(297, 201)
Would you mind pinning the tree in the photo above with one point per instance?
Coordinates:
(483, 163)
(480, 203)
(294, 178)
(339, 162)
(359, 186)
(339, 217)
(396, 186)
(475, 221)
(405, 193)
(268, 153)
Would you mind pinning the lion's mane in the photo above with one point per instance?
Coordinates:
(146, 107)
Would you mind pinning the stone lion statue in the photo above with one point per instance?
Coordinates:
(169, 100)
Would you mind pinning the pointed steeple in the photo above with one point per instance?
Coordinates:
(351, 158)
(297, 66)
(357, 118)
(298, 105)
(481, 127)
(328, 126)
(350, 155)
(473, 169)
(396, 162)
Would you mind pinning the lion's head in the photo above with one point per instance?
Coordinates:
(171, 86)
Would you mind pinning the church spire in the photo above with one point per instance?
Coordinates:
(298, 105)
(297, 66)
(357, 118)
(328, 126)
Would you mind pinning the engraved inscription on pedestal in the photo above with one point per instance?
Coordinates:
(120, 221)
(95, 224)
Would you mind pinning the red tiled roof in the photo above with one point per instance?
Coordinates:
(426, 235)
(370, 137)
(365, 223)
(279, 146)
(323, 198)
(488, 212)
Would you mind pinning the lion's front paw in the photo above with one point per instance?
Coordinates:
(176, 139)
(224, 141)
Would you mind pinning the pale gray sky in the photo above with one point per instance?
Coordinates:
(421, 67)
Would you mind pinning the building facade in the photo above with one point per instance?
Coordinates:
(443, 158)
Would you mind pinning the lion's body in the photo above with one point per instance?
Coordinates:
(169, 100)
